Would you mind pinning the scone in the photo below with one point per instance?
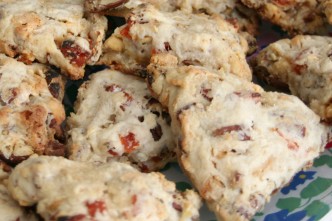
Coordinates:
(245, 20)
(10, 210)
(55, 32)
(233, 137)
(294, 16)
(194, 39)
(304, 65)
(113, 191)
(231, 10)
(117, 118)
(31, 111)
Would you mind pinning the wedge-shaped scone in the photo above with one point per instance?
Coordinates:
(294, 16)
(117, 118)
(113, 191)
(195, 39)
(304, 65)
(55, 32)
(237, 143)
(10, 210)
(30, 110)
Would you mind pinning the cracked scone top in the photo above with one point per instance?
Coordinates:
(10, 210)
(304, 65)
(234, 138)
(195, 39)
(55, 32)
(294, 16)
(112, 191)
(117, 118)
(30, 111)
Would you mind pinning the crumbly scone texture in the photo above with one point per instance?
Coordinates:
(116, 118)
(113, 191)
(303, 64)
(55, 32)
(234, 138)
(30, 116)
(214, 43)
(10, 210)
(294, 16)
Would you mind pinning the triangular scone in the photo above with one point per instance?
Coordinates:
(296, 16)
(237, 143)
(304, 65)
(10, 210)
(117, 118)
(31, 112)
(195, 39)
(112, 191)
(55, 32)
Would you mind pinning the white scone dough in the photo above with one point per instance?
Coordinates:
(30, 111)
(117, 118)
(55, 32)
(112, 191)
(195, 39)
(304, 65)
(294, 16)
(234, 138)
(10, 210)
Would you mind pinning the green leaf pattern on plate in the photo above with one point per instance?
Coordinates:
(290, 203)
(323, 160)
(316, 187)
(317, 209)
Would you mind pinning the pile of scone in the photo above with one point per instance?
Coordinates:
(177, 85)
